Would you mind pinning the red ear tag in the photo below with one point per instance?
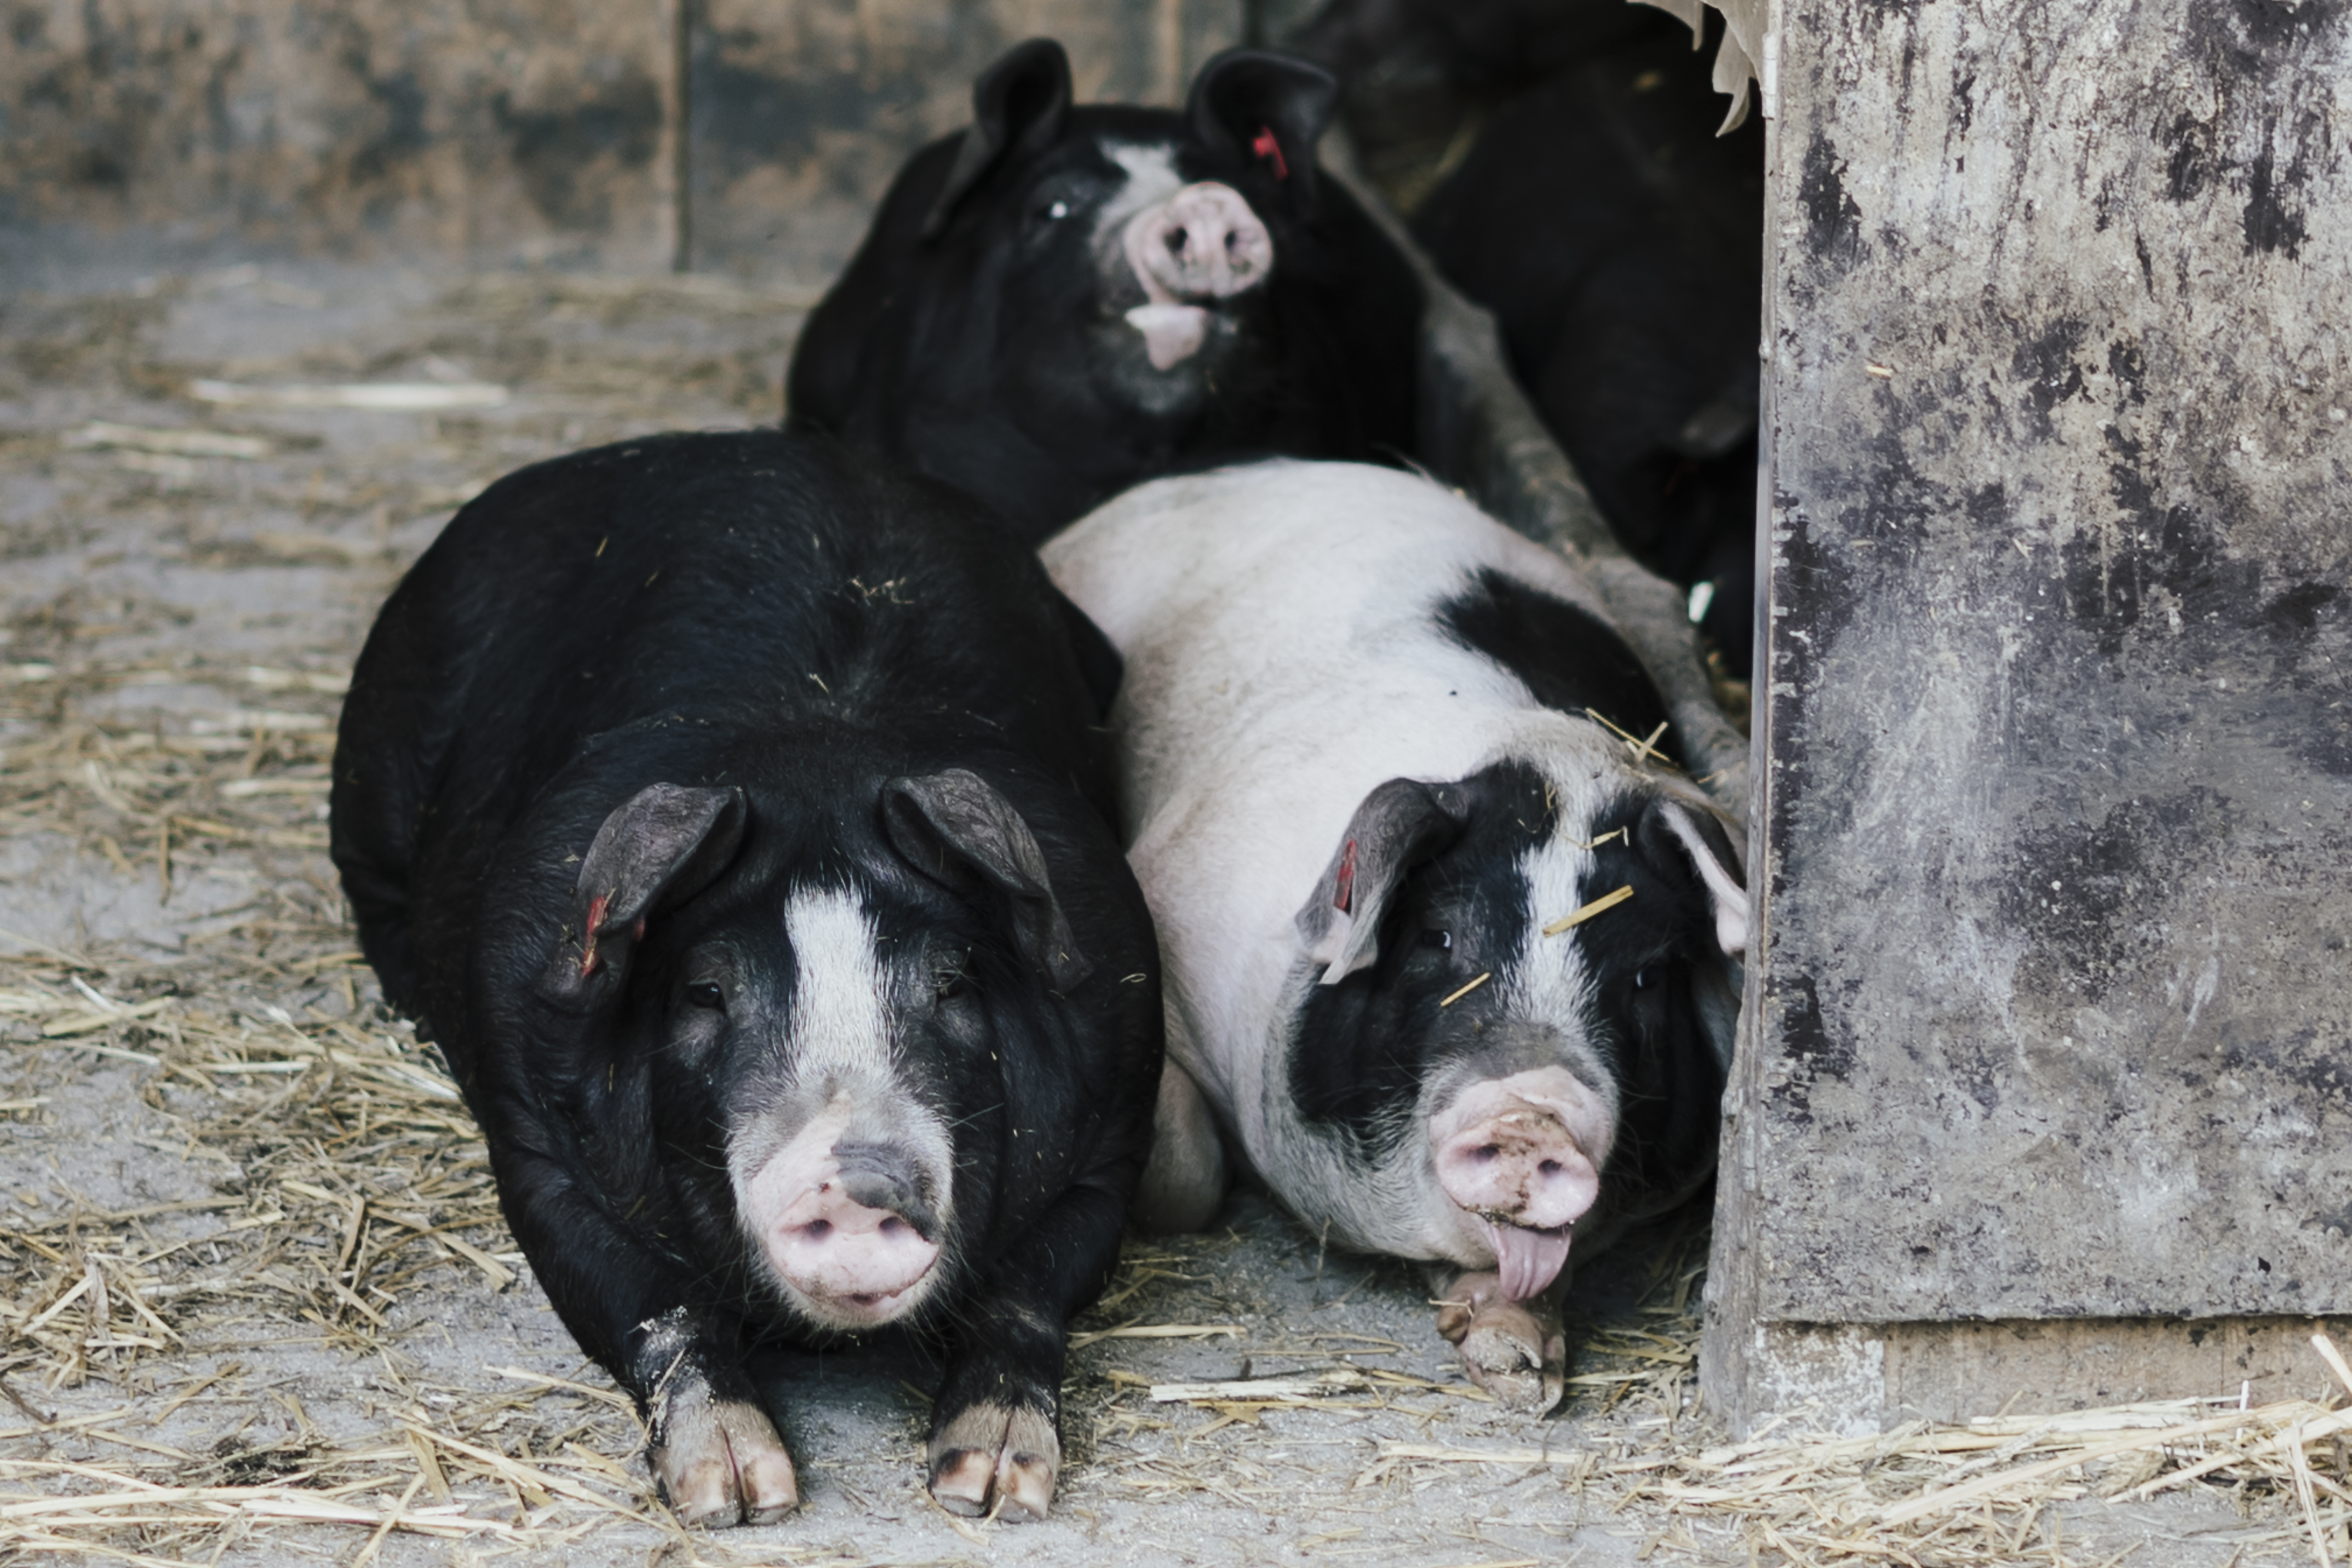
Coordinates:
(1344, 884)
(1267, 149)
(588, 939)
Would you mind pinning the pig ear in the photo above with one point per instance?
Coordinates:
(954, 827)
(1019, 105)
(664, 844)
(1262, 107)
(1400, 824)
(1702, 839)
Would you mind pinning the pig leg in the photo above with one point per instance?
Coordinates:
(1516, 1351)
(715, 1453)
(995, 1445)
(1185, 1178)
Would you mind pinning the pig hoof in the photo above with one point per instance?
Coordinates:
(1505, 1360)
(996, 1462)
(1511, 1351)
(720, 1462)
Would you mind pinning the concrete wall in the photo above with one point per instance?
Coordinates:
(802, 110)
(486, 131)
(749, 135)
(2054, 832)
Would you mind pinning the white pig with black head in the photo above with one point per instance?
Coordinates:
(1452, 957)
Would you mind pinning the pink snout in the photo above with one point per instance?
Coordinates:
(1203, 243)
(1521, 1174)
(854, 1259)
(1518, 1167)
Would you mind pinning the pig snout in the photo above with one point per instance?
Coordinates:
(1518, 1167)
(846, 1226)
(1201, 243)
(1524, 1169)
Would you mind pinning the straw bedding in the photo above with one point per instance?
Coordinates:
(258, 1299)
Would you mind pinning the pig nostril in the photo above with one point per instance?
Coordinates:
(892, 1226)
(1550, 1168)
(817, 1229)
(1487, 1152)
(1176, 241)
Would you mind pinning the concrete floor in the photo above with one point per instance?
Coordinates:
(184, 595)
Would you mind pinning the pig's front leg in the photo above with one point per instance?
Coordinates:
(1516, 1351)
(715, 1453)
(996, 1446)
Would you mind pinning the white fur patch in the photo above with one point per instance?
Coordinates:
(1551, 982)
(840, 1026)
(1152, 178)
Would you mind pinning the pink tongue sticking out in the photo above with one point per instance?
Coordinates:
(1171, 333)
(1529, 1261)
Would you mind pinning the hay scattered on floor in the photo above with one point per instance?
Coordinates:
(342, 1177)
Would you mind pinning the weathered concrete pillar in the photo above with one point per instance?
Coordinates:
(2048, 1086)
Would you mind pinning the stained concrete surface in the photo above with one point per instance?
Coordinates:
(2055, 678)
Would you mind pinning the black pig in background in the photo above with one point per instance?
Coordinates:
(731, 812)
(1618, 241)
(1059, 302)
(1560, 161)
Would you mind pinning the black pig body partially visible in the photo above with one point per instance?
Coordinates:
(725, 807)
(1619, 242)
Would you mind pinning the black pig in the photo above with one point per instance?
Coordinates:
(1620, 243)
(1059, 302)
(731, 812)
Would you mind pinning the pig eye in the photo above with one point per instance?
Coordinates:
(705, 993)
(1058, 211)
(1441, 940)
(1643, 980)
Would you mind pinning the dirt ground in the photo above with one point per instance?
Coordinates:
(258, 1305)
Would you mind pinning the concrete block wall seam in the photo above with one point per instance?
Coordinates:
(2047, 1021)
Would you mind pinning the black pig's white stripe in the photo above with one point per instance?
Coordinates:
(840, 1027)
(831, 1075)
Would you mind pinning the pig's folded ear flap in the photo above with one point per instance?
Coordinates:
(1265, 108)
(662, 845)
(1679, 831)
(1019, 106)
(954, 827)
(1400, 824)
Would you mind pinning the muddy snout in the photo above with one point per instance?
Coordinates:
(1520, 1173)
(849, 1227)
(1203, 244)
(1520, 1167)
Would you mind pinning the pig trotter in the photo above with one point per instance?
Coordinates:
(718, 1461)
(1516, 1351)
(990, 1460)
(715, 1454)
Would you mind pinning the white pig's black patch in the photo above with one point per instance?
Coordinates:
(1364, 1046)
(1568, 658)
(1612, 998)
